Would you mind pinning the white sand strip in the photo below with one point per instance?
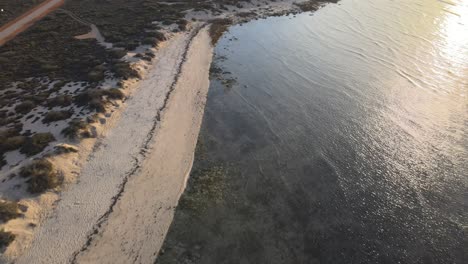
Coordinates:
(136, 229)
(114, 159)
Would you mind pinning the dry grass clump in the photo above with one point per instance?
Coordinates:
(8, 210)
(41, 176)
(53, 116)
(218, 27)
(36, 144)
(6, 238)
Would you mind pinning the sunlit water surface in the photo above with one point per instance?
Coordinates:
(343, 140)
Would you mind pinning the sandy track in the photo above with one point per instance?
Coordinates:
(89, 204)
(21, 23)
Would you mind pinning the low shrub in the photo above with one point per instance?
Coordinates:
(41, 176)
(11, 143)
(6, 238)
(114, 93)
(25, 107)
(74, 128)
(156, 34)
(8, 210)
(91, 98)
(94, 98)
(61, 100)
(182, 24)
(118, 53)
(150, 41)
(96, 76)
(36, 144)
(53, 116)
(123, 70)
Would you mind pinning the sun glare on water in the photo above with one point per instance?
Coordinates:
(455, 30)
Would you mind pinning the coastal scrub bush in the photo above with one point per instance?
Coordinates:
(182, 23)
(123, 70)
(95, 100)
(25, 107)
(91, 98)
(156, 34)
(37, 143)
(96, 76)
(114, 93)
(72, 131)
(53, 116)
(6, 238)
(118, 53)
(61, 100)
(150, 41)
(41, 176)
(8, 210)
(11, 143)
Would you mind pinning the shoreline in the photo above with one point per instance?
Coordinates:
(96, 184)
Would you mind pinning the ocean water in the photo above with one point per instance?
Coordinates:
(333, 137)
